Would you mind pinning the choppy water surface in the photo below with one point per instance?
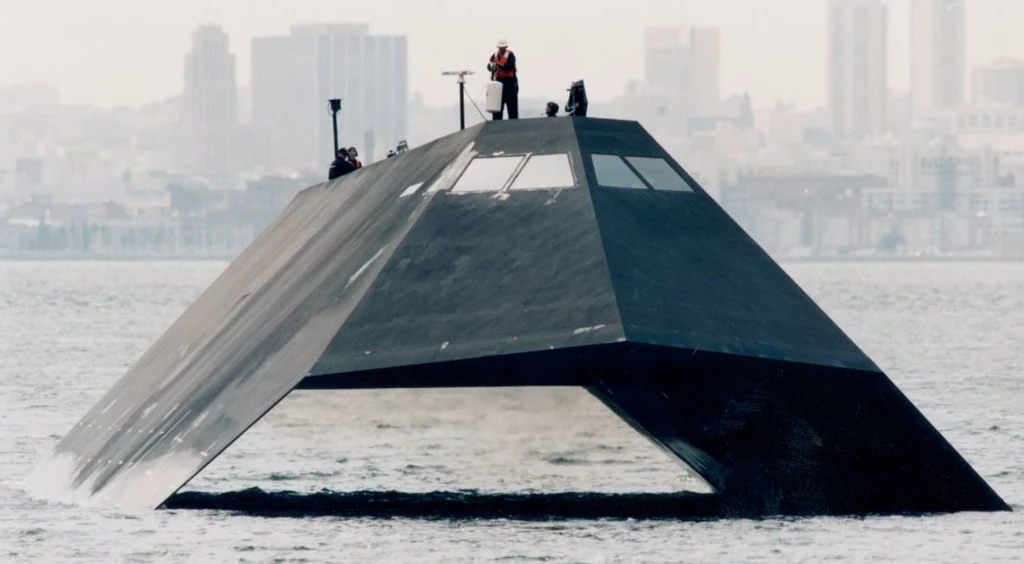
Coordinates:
(950, 335)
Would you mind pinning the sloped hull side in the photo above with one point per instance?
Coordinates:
(246, 341)
(654, 300)
(686, 275)
(744, 377)
(782, 438)
(485, 275)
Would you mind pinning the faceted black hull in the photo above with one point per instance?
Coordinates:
(654, 300)
(771, 437)
(777, 438)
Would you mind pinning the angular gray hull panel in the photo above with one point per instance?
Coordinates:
(246, 341)
(650, 296)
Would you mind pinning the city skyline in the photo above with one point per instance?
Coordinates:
(60, 46)
(210, 163)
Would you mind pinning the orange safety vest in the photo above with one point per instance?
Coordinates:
(503, 60)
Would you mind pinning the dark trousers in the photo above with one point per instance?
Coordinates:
(509, 99)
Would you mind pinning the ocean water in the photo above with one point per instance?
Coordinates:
(949, 334)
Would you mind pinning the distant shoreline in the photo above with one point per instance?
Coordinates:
(901, 259)
(48, 257)
(38, 257)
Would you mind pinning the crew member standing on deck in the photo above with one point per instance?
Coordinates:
(341, 165)
(503, 69)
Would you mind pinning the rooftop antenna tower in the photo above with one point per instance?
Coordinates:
(462, 93)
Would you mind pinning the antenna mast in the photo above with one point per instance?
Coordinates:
(335, 107)
(462, 93)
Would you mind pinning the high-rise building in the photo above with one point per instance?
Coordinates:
(999, 84)
(705, 47)
(857, 67)
(294, 76)
(938, 55)
(210, 104)
(684, 64)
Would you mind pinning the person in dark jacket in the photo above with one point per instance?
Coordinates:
(341, 166)
(503, 69)
(551, 110)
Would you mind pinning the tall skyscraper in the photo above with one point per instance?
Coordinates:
(999, 84)
(685, 64)
(294, 76)
(210, 104)
(938, 55)
(857, 67)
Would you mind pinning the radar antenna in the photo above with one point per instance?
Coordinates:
(462, 93)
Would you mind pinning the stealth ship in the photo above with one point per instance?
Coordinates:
(545, 252)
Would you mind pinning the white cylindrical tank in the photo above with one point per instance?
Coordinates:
(493, 102)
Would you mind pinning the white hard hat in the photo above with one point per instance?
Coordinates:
(502, 43)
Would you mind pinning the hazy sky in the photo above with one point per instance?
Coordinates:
(131, 51)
